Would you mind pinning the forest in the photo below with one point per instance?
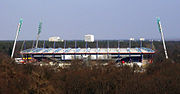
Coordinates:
(160, 77)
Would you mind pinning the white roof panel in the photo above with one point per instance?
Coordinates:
(87, 50)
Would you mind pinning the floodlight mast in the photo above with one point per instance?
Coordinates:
(39, 31)
(17, 33)
(162, 36)
(37, 39)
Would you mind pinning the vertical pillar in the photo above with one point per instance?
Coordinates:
(97, 49)
(142, 58)
(129, 43)
(44, 44)
(118, 48)
(75, 46)
(54, 44)
(24, 45)
(141, 42)
(151, 44)
(64, 44)
(108, 50)
(64, 49)
(86, 45)
(33, 44)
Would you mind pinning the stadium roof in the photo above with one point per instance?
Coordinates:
(88, 51)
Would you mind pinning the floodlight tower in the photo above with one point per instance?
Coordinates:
(39, 31)
(162, 36)
(17, 33)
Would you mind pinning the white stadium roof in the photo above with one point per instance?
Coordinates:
(88, 51)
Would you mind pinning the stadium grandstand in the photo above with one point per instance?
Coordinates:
(118, 54)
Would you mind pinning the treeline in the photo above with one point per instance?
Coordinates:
(159, 78)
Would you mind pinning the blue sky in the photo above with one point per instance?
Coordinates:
(106, 19)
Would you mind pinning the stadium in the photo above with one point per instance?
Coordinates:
(124, 55)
